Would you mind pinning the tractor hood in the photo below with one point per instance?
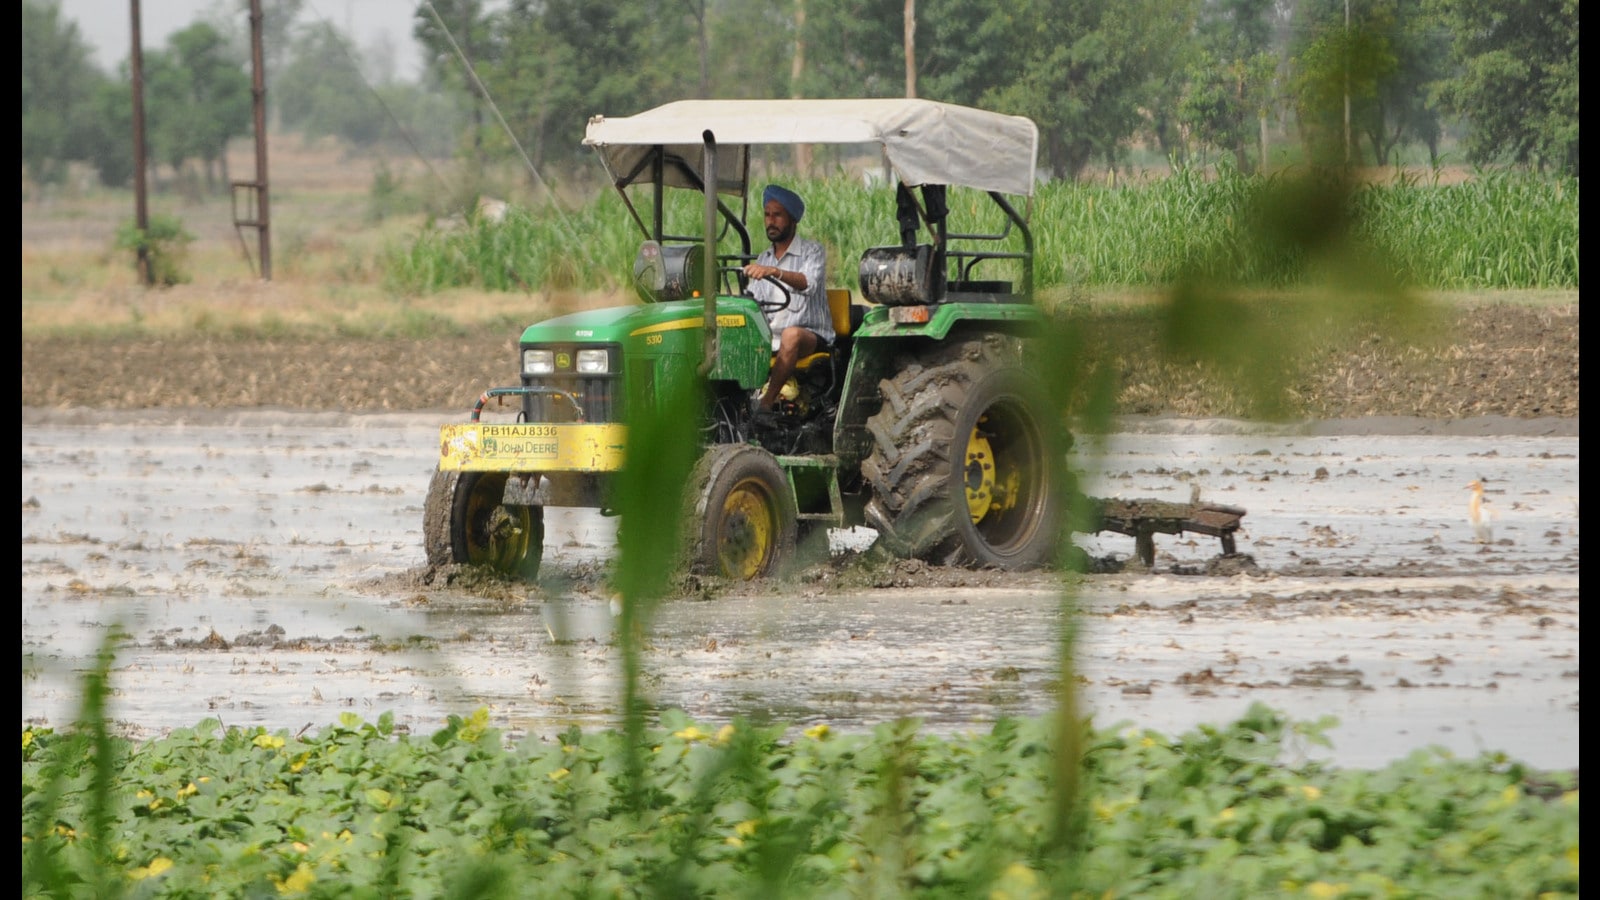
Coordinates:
(925, 142)
(622, 322)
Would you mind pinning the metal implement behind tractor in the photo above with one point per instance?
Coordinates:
(926, 419)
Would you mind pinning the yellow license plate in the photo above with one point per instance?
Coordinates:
(482, 447)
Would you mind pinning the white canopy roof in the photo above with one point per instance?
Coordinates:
(926, 142)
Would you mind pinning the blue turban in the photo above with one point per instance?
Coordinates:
(789, 200)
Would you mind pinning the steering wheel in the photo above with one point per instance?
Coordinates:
(767, 306)
(739, 278)
(772, 306)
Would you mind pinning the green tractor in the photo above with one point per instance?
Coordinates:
(925, 420)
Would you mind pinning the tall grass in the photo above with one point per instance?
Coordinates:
(1496, 230)
(1500, 230)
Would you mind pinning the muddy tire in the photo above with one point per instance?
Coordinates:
(464, 522)
(965, 467)
(741, 516)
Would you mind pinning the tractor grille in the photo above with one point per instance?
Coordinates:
(599, 395)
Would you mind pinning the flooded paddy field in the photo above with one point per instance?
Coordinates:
(266, 568)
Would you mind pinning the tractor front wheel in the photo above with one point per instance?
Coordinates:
(464, 521)
(742, 518)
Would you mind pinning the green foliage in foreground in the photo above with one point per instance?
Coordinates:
(355, 810)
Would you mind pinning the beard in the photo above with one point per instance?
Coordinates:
(777, 234)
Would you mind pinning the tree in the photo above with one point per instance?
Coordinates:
(1384, 64)
(168, 138)
(1334, 63)
(700, 13)
(111, 151)
(632, 53)
(1083, 72)
(198, 99)
(1517, 85)
(965, 49)
(752, 50)
(60, 84)
(1164, 107)
(537, 79)
(450, 30)
(1404, 107)
(562, 61)
(279, 20)
(322, 91)
(278, 24)
(1230, 79)
(854, 49)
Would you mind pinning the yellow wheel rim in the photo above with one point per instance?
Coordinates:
(978, 475)
(748, 530)
(499, 536)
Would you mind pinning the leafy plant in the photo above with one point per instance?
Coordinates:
(738, 810)
(162, 246)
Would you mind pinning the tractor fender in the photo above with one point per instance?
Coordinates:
(937, 321)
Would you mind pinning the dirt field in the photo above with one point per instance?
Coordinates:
(1514, 360)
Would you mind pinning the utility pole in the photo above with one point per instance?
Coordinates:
(141, 211)
(257, 211)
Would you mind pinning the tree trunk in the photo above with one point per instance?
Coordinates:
(1263, 122)
(911, 48)
(797, 68)
(705, 50)
(1241, 158)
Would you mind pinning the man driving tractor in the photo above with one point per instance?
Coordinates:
(804, 325)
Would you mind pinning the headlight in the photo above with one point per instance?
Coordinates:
(538, 362)
(593, 362)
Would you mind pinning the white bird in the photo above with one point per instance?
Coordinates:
(1481, 532)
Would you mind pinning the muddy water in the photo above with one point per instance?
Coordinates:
(265, 570)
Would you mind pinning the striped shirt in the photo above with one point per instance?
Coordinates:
(808, 308)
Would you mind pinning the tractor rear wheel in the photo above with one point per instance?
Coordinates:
(465, 522)
(741, 512)
(965, 467)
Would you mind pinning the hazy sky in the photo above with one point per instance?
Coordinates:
(108, 24)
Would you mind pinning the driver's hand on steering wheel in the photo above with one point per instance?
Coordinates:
(759, 272)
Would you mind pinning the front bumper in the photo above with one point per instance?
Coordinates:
(532, 447)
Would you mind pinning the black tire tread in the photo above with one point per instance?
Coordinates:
(436, 509)
(913, 437)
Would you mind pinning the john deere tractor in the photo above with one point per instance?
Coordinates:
(925, 419)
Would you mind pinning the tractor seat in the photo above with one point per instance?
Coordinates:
(839, 308)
